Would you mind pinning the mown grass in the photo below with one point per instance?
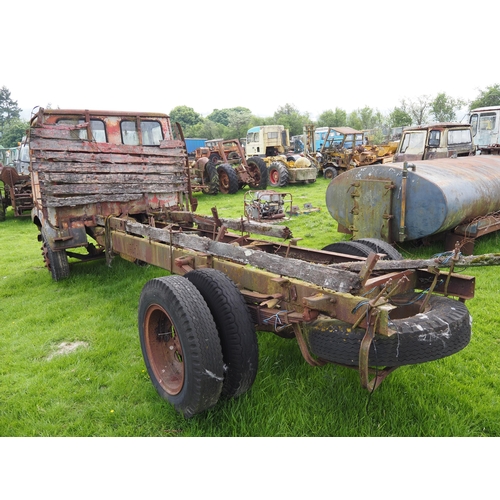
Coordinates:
(102, 388)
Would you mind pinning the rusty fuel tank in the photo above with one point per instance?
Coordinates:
(402, 202)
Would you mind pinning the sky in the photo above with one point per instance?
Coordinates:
(316, 56)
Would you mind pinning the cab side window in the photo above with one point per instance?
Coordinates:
(150, 133)
(97, 128)
(434, 138)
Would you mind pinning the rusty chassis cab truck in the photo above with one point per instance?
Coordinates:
(117, 183)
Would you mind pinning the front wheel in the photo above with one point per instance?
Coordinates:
(228, 179)
(180, 344)
(258, 172)
(210, 179)
(278, 175)
(56, 261)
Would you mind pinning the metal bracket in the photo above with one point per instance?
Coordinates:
(364, 351)
(303, 347)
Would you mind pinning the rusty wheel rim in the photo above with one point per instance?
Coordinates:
(254, 172)
(223, 182)
(274, 176)
(164, 350)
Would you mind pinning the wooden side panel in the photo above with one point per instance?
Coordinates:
(99, 178)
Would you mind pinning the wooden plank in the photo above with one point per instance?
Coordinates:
(72, 201)
(113, 178)
(76, 146)
(109, 167)
(492, 259)
(109, 189)
(320, 275)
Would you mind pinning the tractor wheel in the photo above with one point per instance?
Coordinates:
(233, 156)
(180, 344)
(3, 207)
(228, 179)
(330, 173)
(235, 327)
(56, 261)
(381, 246)
(278, 174)
(210, 179)
(258, 171)
(443, 329)
(215, 158)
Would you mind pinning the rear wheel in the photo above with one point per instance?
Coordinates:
(235, 327)
(180, 344)
(228, 179)
(258, 171)
(56, 261)
(210, 179)
(278, 175)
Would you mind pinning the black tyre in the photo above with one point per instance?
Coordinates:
(278, 174)
(235, 327)
(381, 246)
(180, 344)
(215, 158)
(56, 261)
(443, 329)
(258, 171)
(2, 207)
(349, 248)
(330, 173)
(210, 179)
(233, 156)
(228, 179)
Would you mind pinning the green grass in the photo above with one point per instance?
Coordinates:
(102, 388)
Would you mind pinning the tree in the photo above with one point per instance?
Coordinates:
(399, 117)
(238, 122)
(207, 129)
(223, 116)
(329, 118)
(290, 118)
(354, 120)
(186, 116)
(13, 133)
(8, 108)
(417, 109)
(488, 97)
(443, 107)
(219, 116)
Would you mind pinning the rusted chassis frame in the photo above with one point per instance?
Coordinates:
(291, 293)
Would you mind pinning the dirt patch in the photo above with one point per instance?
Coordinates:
(66, 348)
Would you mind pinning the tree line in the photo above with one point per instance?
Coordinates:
(232, 123)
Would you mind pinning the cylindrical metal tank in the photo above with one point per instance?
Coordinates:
(395, 204)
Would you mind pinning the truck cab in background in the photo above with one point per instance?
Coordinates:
(439, 140)
(267, 140)
(485, 129)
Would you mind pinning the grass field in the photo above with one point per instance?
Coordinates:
(101, 388)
